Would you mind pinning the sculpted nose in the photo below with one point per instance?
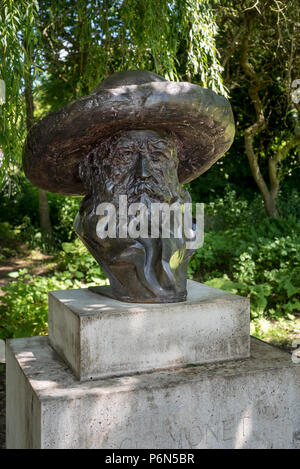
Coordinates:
(142, 169)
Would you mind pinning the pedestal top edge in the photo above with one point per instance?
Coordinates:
(51, 378)
(84, 301)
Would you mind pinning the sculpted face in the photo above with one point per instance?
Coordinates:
(141, 164)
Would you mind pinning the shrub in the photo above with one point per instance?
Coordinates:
(261, 261)
(244, 253)
(24, 306)
(63, 211)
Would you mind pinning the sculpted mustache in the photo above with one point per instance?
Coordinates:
(136, 190)
(141, 188)
(144, 187)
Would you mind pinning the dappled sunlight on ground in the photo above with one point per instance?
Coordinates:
(281, 332)
(36, 262)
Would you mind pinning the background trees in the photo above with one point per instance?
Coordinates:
(60, 50)
(54, 52)
(19, 51)
(259, 44)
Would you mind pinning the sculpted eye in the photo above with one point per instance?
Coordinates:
(123, 155)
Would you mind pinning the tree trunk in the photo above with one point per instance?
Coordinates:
(270, 206)
(269, 196)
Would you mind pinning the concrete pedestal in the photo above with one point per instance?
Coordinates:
(101, 337)
(249, 403)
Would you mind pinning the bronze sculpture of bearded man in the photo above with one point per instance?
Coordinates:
(140, 136)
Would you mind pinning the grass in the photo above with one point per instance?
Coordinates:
(281, 332)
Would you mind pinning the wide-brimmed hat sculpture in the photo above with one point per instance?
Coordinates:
(134, 140)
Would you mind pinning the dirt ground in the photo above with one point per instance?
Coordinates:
(36, 262)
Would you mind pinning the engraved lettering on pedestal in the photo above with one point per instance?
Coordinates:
(246, 425)
(194, 437)
(228, 429)
(212, 433)
(296, 436)
(267, 411)
(127, 443)
(179, 440)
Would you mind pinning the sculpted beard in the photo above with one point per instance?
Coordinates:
(144, 168)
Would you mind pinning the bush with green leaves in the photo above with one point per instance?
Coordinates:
(63, 211)
(24, 305)
(260, 260)
(244, 252)
(229, 211)
(18, 197)
(20, 209)
(23, 309)
(76, 260)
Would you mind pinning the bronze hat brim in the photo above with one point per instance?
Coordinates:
(201, 119)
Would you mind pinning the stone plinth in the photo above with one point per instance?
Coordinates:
(100, 337)
(251, 403)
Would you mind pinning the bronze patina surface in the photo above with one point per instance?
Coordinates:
(143, 165)
(136, 135)
(201, 120)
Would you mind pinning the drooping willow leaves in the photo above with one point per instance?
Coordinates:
(17, 43)
(68, 47)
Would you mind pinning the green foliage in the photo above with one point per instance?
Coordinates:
(78, 262)
(23, 309)
(63, 49)
(81, 43)
(229, 211)
(6, 231)
(259, 259)
(18, 199)
(19, 208)
(63, 211)
(280, 332)
(17, 38)
(288, 203)
(24, 306)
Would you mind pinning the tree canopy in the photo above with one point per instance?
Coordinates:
(54, 52)
(69, 47)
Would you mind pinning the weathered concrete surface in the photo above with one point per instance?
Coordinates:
(23, 407)
(250, 403)
(99, 337)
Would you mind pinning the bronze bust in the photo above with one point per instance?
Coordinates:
(137, 136)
